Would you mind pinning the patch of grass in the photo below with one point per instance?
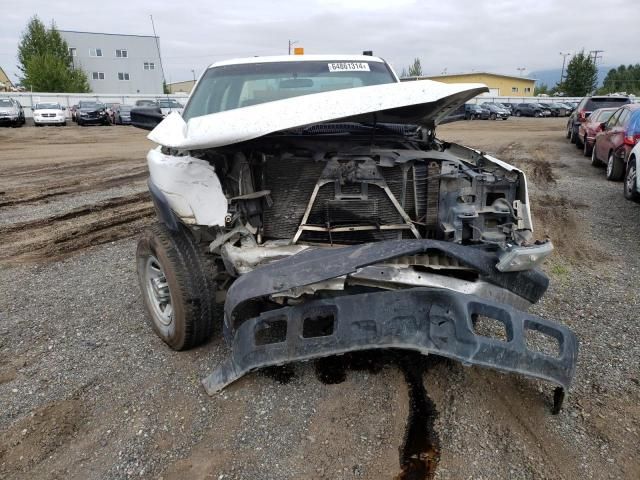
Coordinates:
(559, 271)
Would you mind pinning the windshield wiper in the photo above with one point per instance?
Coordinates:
(353, 128)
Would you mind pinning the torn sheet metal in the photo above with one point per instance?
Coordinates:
(191, 187)
(422, 102)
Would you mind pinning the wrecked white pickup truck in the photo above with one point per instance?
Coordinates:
(310, 195)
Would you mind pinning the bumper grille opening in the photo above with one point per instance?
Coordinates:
(541, 339)
(490, 327)
(318, 324)
(270, 331)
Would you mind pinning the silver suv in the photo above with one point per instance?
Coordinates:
(11, 112)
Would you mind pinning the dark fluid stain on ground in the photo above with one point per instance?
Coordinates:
(281, 374)
(420, 452)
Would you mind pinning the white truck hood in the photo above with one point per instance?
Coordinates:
(423, 102)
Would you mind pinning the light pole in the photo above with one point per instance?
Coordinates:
(193, 72)
(521, 69)
(291, 44)
(564, 59)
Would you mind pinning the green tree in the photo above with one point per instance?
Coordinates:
(622, 79)
(542, 89)
(415, 70)
(45, 63)
(581, 78)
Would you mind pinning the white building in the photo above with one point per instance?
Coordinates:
(117, 63)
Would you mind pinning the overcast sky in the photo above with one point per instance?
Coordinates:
(458, 35)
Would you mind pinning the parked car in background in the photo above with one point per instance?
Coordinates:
(146, 103)
(584, 109)
(569, 106)
(11, 113)
(92, 113)
(111, 111)
(616, 140)
(589, 129)
(49, 113)
(556, 109)
(531, 110)
(506, 106)
(168, 105)
(473, 111)
(123, 115)
(496, 111)
(631, 187)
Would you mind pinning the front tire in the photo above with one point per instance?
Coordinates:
(586, 148)
(615, 168)
(493, 116)
(594, 158)
(573, 135)
(178, 286)
(630, 190)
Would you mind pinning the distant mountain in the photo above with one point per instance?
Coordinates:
(552, 76)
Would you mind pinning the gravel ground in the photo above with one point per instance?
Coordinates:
(88, 391)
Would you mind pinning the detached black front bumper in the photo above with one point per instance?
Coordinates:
(423, 319)
(428, 320)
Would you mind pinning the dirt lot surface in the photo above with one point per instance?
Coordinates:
(89, 392)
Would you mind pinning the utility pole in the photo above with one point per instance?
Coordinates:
(193, 72)
(159, 56)
(291, 44)
(521, 69)
(564, 60)
(596, 55)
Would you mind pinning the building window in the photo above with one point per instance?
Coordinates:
(122, 53)
(73, 52)
(527, 89)
(149, 66)
(123, 76)
(514, 89)
(97, 75)
(95, 52)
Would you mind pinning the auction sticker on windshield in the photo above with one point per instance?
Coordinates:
(349, 67)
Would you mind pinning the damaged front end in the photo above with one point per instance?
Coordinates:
(434, 318)
(359, 231)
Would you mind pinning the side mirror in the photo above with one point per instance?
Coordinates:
(146, 117)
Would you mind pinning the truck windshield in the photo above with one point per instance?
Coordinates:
(235, 86)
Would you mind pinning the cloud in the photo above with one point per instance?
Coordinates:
(461, 36)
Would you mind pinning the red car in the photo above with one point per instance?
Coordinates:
(618, 136)
(587, 131)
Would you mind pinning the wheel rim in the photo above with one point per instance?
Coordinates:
(631, 178)
(610, 165)
(157, 290)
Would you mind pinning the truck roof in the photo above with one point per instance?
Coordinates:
(298, 58)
